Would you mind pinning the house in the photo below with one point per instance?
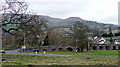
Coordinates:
(102, 41)
(99, 40)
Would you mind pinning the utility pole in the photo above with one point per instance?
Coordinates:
(24, 42)
(88, 45)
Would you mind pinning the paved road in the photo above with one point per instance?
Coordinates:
(16, 52)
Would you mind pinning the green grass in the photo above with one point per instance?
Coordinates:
(55, 60)
(105, 52)
(96, 52)
(16, 55)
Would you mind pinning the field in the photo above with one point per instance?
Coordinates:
(95, 52)
(112, 59)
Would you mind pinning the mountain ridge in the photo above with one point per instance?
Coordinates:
(68, 22)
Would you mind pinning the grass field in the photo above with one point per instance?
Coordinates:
(11, 59)
(95, 52)
(53, 60)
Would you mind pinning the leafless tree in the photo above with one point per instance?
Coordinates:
(80, 35)
(58, 36)
(35, 33)
(14, 15)
(16, 20)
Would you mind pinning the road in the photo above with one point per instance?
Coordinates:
(20, 53)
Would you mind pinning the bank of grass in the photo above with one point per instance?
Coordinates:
(95, 52)
(18, 55)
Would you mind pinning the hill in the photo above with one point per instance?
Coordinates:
(68, 22)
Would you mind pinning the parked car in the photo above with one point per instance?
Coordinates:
(2, 51)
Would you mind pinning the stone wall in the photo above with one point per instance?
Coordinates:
(51, 48)
(105, 47)
(71, 48)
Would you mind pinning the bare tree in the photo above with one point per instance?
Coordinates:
(16, 20)
(58, 36)
(14, 15)
(79, 34)
(35, 33)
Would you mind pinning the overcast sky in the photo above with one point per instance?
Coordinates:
(104, 11)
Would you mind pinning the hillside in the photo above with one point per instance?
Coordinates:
(68, 22)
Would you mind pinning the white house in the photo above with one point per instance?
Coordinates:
(102, 41)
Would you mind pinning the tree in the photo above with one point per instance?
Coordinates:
(16, 20)
(96, 32)
(57, 36)
(46, 41)
(105, 35)
(117, 34)
(36, 30)
(111, 34)
(32, 31)
(14, 15)
(79, 33)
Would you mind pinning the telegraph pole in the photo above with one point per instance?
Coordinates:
(88, 45)
(24, 42)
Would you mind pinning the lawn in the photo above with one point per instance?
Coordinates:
(55, 60)
(95, 52)
(11, 59)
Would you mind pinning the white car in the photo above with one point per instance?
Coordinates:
(2, 51)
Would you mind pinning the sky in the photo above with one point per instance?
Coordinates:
(103, 11)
